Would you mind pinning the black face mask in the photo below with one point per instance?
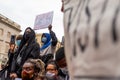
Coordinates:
(27, 36)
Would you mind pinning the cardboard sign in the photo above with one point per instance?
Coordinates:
(43, 20)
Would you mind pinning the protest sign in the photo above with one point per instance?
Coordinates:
(43, 20)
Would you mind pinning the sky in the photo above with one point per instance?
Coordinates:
(24, 12)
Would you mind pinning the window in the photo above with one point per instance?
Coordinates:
(1, 32)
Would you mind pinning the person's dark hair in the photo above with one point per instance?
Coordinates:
(30, 41)
(53, 62)
(46, 58)
(43, 35)
(60, 54)
(19, 37)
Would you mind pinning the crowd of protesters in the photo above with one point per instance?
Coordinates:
(29, 61)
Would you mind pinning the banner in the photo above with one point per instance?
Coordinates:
(43, 20)
(92, 39)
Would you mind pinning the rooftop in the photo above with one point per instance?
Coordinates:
(10, 22)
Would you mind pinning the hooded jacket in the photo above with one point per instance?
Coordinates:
(28, 48)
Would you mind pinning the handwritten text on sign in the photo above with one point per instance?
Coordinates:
(43, 20)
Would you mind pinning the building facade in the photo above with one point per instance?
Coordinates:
(7, 28)
(38, 38)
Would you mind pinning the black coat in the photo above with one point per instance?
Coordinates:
(10, 59)
(31, 50)
(4, 73)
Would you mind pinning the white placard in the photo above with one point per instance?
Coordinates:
(43, 20)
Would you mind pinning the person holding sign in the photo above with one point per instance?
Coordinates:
(49, 41)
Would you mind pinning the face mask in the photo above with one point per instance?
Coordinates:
(18, 42)
(26, 76)
(50, 75)
(27, 36)
(64, 70)
(44, 39)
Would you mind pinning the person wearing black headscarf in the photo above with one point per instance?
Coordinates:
(28, 48)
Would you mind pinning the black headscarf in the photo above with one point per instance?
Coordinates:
(29, 41)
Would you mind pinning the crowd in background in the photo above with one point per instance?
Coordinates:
(27, 60)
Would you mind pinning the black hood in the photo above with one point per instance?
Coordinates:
(29, 41)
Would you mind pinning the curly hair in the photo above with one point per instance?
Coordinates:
(38, 67)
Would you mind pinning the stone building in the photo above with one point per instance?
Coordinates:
(7, 28)
(38, 38)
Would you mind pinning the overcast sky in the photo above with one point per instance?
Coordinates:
(24, 12)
